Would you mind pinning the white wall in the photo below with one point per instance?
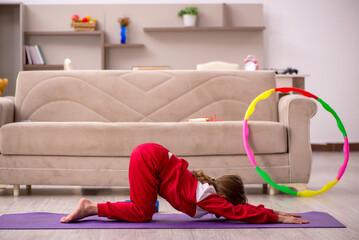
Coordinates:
(319, 38)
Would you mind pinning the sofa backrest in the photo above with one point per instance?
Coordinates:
(138, 96)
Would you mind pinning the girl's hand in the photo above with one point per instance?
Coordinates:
(291, 219)
(286, 214)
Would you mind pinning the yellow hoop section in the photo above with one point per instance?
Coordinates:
(252, 106)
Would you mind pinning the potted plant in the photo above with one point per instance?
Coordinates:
(189, 15)
(124, 22)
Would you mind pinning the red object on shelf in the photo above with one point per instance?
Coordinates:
(75, 17)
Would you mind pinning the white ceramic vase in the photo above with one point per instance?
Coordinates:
(189, 20)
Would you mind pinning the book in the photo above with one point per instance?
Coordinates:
(28, 55)
(39, 54)
(25, 57)
(34, 57)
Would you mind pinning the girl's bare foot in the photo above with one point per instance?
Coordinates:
(84, 209)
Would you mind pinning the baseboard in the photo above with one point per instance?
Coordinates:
(334, 147)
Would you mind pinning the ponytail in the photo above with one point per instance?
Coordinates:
(203, 177)
(230, 186)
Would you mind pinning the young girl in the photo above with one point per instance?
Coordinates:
(154, 170)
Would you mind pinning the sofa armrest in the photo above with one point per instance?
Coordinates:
(7, 108)
(295, 112)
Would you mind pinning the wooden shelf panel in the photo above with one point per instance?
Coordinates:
(201, 29)
(99, 33)
(63, 33)
(291, 75)
(44, 67)
(127, 45)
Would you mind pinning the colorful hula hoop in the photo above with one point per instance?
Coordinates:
(263, 174)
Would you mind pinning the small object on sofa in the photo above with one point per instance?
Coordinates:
(199, 120)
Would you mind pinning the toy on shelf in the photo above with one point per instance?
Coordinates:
(263, 174)
(68, 64)
(250, 63)
(3, 83)
(83, 24)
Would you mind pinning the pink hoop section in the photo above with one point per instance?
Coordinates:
(346, 158)
(245, 143)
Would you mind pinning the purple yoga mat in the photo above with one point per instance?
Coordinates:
(159, 221)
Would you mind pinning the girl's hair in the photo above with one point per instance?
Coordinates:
(231, 186)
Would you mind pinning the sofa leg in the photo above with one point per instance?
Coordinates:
(272, 190)
(16, 190)
(265, 188)
(28, 189)
(299, 187)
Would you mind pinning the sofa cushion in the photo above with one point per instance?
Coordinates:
(118, 139)
(142, 96)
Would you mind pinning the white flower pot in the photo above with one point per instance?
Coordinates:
(189, 20)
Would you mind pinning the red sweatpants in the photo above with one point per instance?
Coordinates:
(146, 163)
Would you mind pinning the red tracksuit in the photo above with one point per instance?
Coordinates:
(151, 172)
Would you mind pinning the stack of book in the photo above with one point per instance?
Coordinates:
(32, 55)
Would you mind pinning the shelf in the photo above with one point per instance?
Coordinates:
(250, 21)
(127, 45)
(291, 75)
(44, 67)
(201, 29)
(63, 33)
(98, 33)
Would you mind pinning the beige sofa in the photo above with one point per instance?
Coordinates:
(79, 127)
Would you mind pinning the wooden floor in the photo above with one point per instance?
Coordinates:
(341, 202)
